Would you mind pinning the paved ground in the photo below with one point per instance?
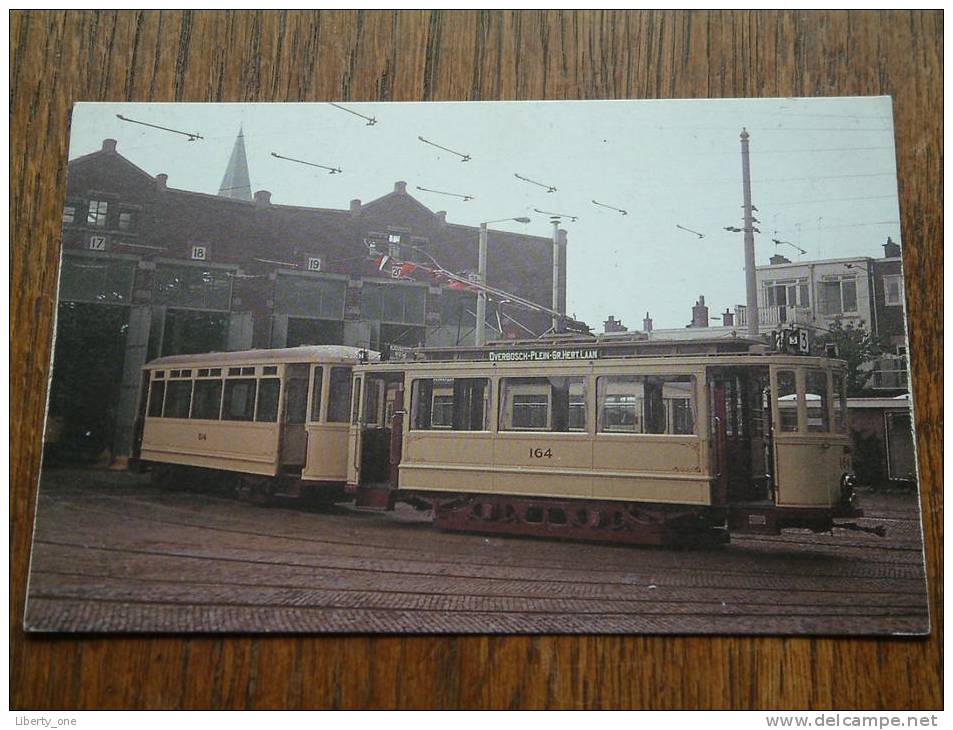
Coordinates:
(114, 553)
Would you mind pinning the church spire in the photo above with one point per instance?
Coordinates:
(235, 184)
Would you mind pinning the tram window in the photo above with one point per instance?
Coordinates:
(234, 371)
(840, 402)
(543, 404)
(239, 399)
(159, 374)
(203, 372)
(296, 400)
(268, 400)
(356, 401)
(178, 396)
(270, 370)
(316, 393)
(787, 401)
(372, 398)
(661, 404)
(339, 395)
(818, 415)
(457, 404)
(207, 399)
(156, 392)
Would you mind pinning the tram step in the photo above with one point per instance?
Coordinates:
(377, 497)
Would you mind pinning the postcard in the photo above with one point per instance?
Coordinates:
(495, 367)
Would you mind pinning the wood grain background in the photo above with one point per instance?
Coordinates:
(59, 58)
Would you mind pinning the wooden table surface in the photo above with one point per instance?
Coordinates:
(60, 58)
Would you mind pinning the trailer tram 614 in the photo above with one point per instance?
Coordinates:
(261, 422)
(641, 442)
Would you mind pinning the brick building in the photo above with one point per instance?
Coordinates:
(150, 270)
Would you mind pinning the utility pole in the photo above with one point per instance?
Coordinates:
(751, 282)
(556, 322)
(480, 335)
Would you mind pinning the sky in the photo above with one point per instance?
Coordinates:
(823, 178)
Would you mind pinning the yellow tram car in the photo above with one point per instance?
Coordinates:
(263, 422)
(641, 442)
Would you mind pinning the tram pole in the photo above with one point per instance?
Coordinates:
(480, 334)
(751, 283)
(556, 275)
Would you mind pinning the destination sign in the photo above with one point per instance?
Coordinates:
(544, 355)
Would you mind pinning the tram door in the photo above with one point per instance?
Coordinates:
(740, 433)
(294, 438)
(377, 423)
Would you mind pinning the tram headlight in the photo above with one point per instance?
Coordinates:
(848, 482)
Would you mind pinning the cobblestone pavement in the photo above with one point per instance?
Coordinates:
(114, 553)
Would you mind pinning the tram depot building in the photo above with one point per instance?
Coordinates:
(149, 270)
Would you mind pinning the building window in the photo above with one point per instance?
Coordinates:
(543, 404)
(96, 213)
(838, 296)
(794, 293)
(396, 303)
(69, 213)
(127, 220)
(893, 290)
(457, 404)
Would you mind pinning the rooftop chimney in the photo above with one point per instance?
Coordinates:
(891, 249)
(613, 325)
(441, 216)
(647, 323)
(161, 181)
(109, 145)
(400, 187)
(779, 259)
(700, 313)
(262, 198)
(355, 207)
(728, 318)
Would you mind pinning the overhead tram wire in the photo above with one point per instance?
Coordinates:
(610, 207)
(463, 157)
(549, 188)
(371, 121)
(332, 170)
(453, 195)
(191, 135)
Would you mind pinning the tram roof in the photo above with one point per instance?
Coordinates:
(305, 353)
(611, 346)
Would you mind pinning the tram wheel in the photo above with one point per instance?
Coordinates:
(256, 490)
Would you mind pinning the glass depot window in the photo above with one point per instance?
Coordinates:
(178, 398)
(69, 213)
(310, 296)
(450, 404)
(239, 402)
(156, 392)
(818, 415)
(787, 401)
(96, 279)
(207, 399)
(192, 287)
(127, 220)
(543, 404)
(394, 302)
(269, 390)
(662, 404)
